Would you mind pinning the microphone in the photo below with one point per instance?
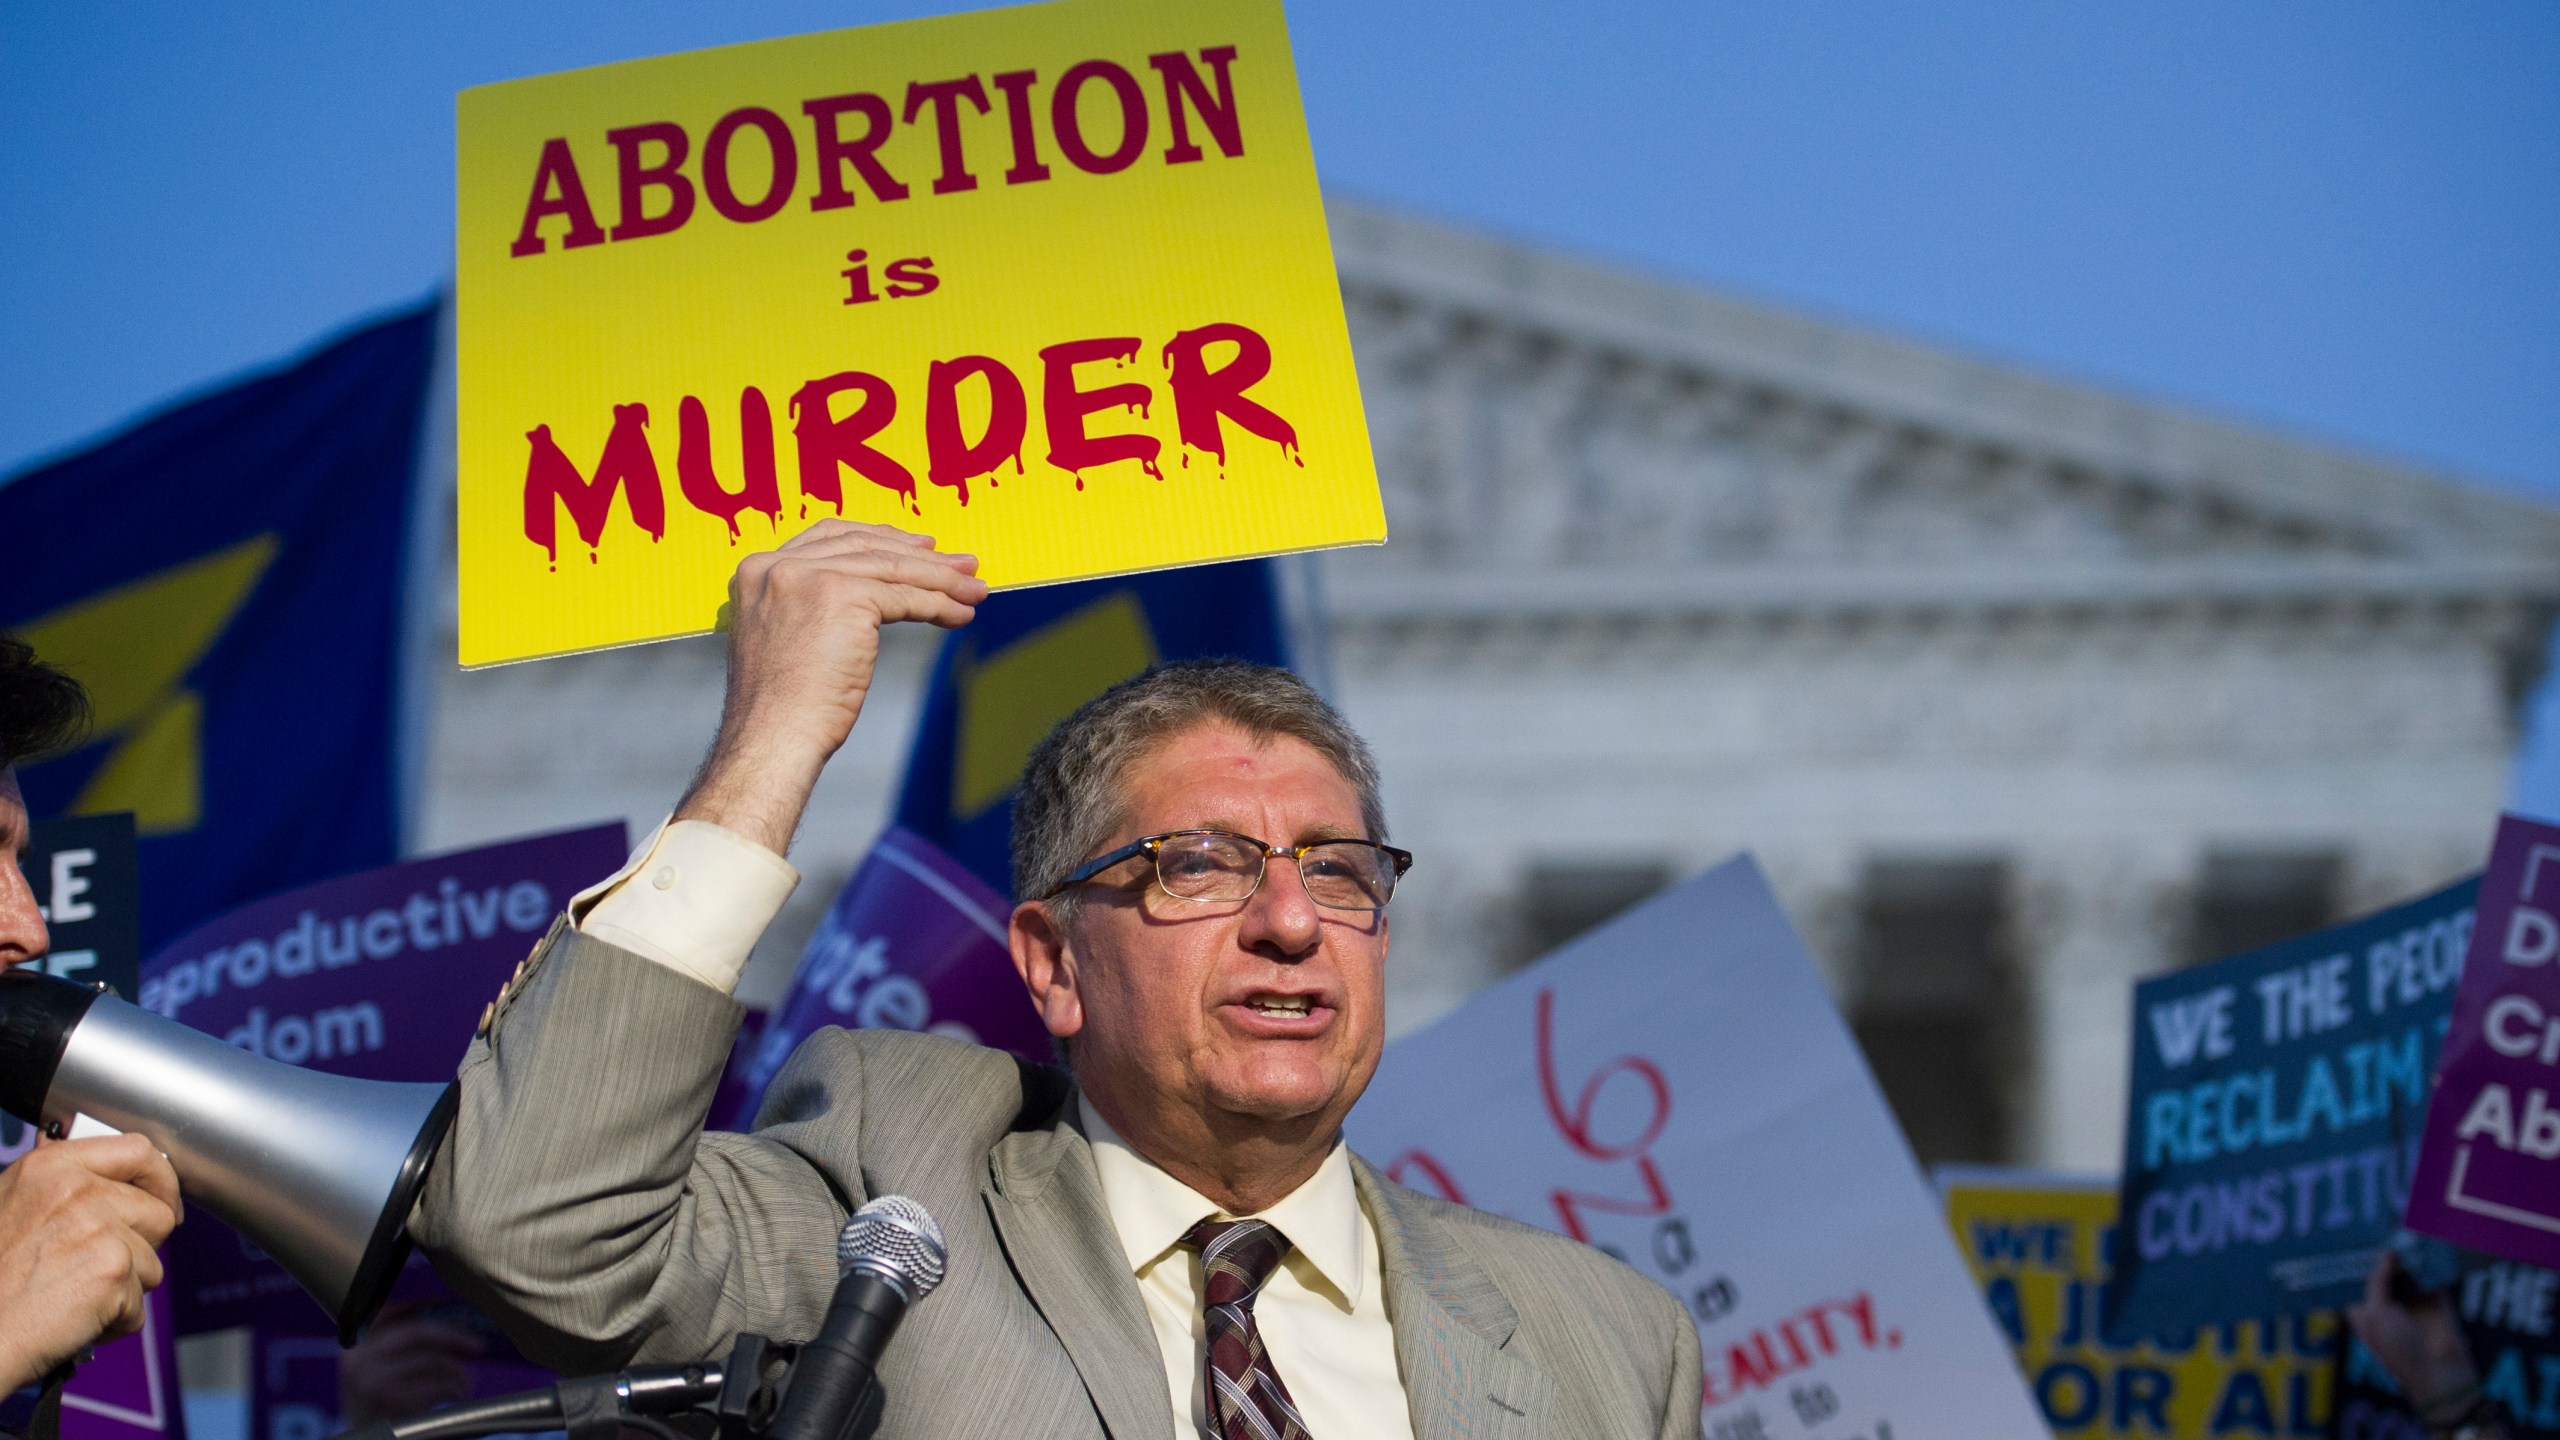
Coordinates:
(889, 1256)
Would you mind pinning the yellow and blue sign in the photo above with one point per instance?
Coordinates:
(226, 580)
(2038, 1247)
(1050, 283)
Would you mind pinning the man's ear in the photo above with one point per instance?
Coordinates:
(1046, 960)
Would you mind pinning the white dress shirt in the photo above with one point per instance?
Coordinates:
(1322, 1314)
(695, 897)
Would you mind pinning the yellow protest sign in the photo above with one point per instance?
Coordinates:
(2037, 1246)
(1051, 284)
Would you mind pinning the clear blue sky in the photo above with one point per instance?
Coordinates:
(2339, 219)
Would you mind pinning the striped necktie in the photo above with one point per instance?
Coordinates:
(1246, 1400)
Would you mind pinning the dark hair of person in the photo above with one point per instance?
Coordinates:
(41, 708)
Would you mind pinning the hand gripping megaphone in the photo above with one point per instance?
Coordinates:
(317, 1170)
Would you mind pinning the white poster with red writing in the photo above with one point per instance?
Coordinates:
(1676, 1088)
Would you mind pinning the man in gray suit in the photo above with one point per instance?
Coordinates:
(1173, 1241)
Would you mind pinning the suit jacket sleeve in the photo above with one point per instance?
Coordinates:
(1683, 1412)
(577, 1198)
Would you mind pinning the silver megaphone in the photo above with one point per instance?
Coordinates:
(317, 1170)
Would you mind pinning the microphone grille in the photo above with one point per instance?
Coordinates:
(896, 1239)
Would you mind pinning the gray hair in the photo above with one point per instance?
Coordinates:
(1069, 806)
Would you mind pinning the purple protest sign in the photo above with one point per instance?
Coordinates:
(128, 1390)
(380, 975)
(913, 942)
(2486, 1176)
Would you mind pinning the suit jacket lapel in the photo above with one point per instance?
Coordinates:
(1048, 1207)
(1452, 1324)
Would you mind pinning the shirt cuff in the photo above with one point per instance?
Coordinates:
(694, 898)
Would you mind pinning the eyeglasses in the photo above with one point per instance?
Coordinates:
(1215, 866)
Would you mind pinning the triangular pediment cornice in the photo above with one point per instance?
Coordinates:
(1937, 396)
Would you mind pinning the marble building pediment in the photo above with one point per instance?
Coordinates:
(1568, 436)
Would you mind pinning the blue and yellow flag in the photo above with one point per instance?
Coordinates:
(226, 578)
(1031, 657)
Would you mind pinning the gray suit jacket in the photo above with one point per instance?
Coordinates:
(580, 1202)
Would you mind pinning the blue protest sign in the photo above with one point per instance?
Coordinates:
(227, 578)
(82, 872)
(2277, 1098)
(80, 869)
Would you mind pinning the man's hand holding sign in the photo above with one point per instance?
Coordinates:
(804, 636)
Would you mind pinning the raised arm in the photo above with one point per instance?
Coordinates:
(577, 1198)
(804, 639)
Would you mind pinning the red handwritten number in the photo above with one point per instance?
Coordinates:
(1576, 1127)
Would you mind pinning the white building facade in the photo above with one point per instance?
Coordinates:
(2019, 690)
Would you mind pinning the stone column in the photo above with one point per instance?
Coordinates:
(1818, 888)
(2093, 919)
(1448, 933)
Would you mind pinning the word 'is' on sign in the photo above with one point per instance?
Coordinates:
(1052, 284)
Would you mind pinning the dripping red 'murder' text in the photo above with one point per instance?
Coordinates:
(837, 422)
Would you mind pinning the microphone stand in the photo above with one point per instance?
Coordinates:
(742, 1394)
(889, 1255)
